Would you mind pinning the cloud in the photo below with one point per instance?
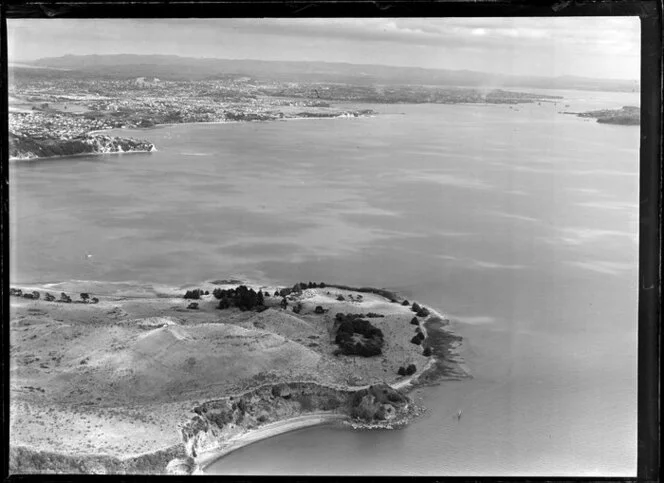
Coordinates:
(586, 46)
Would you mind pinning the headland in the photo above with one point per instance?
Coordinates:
(167, 383)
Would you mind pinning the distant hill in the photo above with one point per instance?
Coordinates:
(172, 67)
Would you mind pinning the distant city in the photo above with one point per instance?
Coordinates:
(58, 105)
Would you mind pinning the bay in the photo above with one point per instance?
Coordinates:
(518, 222)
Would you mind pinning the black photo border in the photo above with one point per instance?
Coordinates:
(650, 267)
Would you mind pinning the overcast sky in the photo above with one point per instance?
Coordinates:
(603, 47)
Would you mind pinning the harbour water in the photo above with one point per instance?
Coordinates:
(518, 222)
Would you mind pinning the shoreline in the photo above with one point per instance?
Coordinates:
(80, 155)
(267, 431)
(157, 126)
(406, 385)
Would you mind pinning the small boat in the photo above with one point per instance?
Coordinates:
(458, 415)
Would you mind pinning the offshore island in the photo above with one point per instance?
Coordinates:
(168, 383)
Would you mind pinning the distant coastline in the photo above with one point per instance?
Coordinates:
(18, 145)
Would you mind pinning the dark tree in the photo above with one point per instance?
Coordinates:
(48, 297)
(340, 298)
(260, 299)
(193, 306)
(85, 297)
(193, 294)
(284, 303)
(416, 340)
(415, 308)
(411, 369)
(414, 321)
(405, 303)
(423, 312)
(427, 352)
(402, 371)
(319, 310)
(276, 293)
(95, 300)
(35, 295)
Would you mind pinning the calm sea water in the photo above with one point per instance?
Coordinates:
(519, 223)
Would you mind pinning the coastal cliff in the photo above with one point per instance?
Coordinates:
(24, 147)
(215, 425)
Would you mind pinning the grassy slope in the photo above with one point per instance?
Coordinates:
(101, 379)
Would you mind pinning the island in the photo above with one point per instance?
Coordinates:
(626, 116)
(167, 383)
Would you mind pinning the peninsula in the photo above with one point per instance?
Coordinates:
(626, 116)
(167, 383)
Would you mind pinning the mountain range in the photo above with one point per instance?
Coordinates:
(172, 67)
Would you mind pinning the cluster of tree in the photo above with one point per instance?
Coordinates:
(196, 294)
(420, 311)
(242, 297)
(35, 295)
(193, 306)
(408, 370)
(17, 292)
(372, 340)
(370, 404)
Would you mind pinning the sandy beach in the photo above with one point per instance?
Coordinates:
(265, 432)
